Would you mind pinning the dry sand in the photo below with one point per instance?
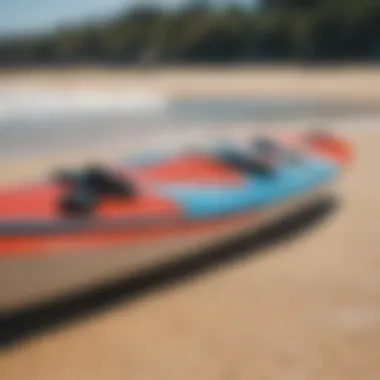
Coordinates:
(305, 309)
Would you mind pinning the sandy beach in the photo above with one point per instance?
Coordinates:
(307, 308)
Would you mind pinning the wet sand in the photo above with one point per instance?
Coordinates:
(308, 308)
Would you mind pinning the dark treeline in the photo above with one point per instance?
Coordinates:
(279, 30)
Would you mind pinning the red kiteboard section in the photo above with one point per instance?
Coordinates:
(332, 148)
(325, 146)
(38, 202)
(190, 169)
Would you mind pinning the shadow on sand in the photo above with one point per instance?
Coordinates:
(22, 325)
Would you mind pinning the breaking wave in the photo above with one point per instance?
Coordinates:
(32, 105)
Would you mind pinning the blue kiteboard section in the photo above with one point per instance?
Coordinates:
(254, 193)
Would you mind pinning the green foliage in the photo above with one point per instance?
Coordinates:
(306, 30)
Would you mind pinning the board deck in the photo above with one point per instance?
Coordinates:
(173, 194)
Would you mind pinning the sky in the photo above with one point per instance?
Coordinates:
(23, 16)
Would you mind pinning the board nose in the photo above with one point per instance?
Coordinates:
(334, 148)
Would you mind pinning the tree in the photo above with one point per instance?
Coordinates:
(312, 30)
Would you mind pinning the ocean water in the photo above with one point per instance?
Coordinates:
(40, 121)
(41, 108)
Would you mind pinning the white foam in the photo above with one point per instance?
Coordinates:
(37, 104)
